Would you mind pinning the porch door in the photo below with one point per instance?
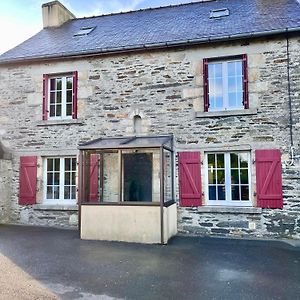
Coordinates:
(137, 177)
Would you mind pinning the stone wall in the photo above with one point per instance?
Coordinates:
(165, 88)
(5, 189)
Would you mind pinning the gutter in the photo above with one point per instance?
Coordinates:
(152, 46)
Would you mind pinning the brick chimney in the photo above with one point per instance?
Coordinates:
(55, 14)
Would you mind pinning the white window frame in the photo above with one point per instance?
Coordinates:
(225, 85)
(63, 97)
(61, 200)
(227, 201)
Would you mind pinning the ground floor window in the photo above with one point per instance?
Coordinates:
(228, 178)
(60, 180)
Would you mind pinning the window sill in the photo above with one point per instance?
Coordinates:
(228, 209)
(67, 207)
(59, 122)
(226, 113)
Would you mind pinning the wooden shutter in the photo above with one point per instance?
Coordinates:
(190, 179)
(245, 82)
(45, 96)
(74, 95)
(205, 84)
(27, 180)
(94, 167)
(268, 178)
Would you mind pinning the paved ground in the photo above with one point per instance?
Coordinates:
(188, 268)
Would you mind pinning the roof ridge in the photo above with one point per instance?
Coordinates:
(144, 9)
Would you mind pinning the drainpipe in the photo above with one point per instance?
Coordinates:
(290, 102)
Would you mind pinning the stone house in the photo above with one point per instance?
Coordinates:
(123, 117)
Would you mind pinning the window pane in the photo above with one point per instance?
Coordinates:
(58, 84)
(57, 164)
(235, 193)
(52, 97)
(212, 192)
(74, 164)
(243, 160)
(58, 97)
(221, 192)
(49, 178)
(235, 176)
(245, 192)
(56, 178)
(211, 160)
(67, 178)
(67, 194)
(69, 82)
(138, 177)
(244, 176)
(220, 161)
(52, 110)
(49, 192)
(218, 70)
(56, 192)
(69, 109)
(49, 164)
(239, 99)
(69, 96)
(109, 177)
(52, 84)
(232, 84)
(232, 100)
(73, 181)
(67, 164)
(220, 176)
(58, 110)
(73, 192)
(234, 160)
(218, 102)
(211, 176)
(238, 68)
(231, 68)
(218, 86)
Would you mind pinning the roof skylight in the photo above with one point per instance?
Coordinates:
(84, 31)
(218, 13)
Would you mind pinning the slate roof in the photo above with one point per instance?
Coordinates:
(160, 27)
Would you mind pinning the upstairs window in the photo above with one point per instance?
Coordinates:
(225, 84)
(60, 96)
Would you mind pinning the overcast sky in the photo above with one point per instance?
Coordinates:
(20, 19)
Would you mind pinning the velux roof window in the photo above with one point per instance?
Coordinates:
(84, 31)
(218, 13)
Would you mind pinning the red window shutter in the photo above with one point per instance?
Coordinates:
(94, 166)
(245, 82)
(190, 179)
(205, 84)
(45, 96)
(28, 180)
(74, 95)
(268, 178)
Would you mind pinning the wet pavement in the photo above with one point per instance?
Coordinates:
(187, 268)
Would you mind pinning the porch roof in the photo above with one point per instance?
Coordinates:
(128, 142)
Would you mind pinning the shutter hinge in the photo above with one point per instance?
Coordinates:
(254, 194)
(38, 165)
(253, 161)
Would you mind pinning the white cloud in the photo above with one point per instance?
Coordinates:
(13, 32)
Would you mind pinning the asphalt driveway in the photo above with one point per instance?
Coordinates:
(188, 268)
